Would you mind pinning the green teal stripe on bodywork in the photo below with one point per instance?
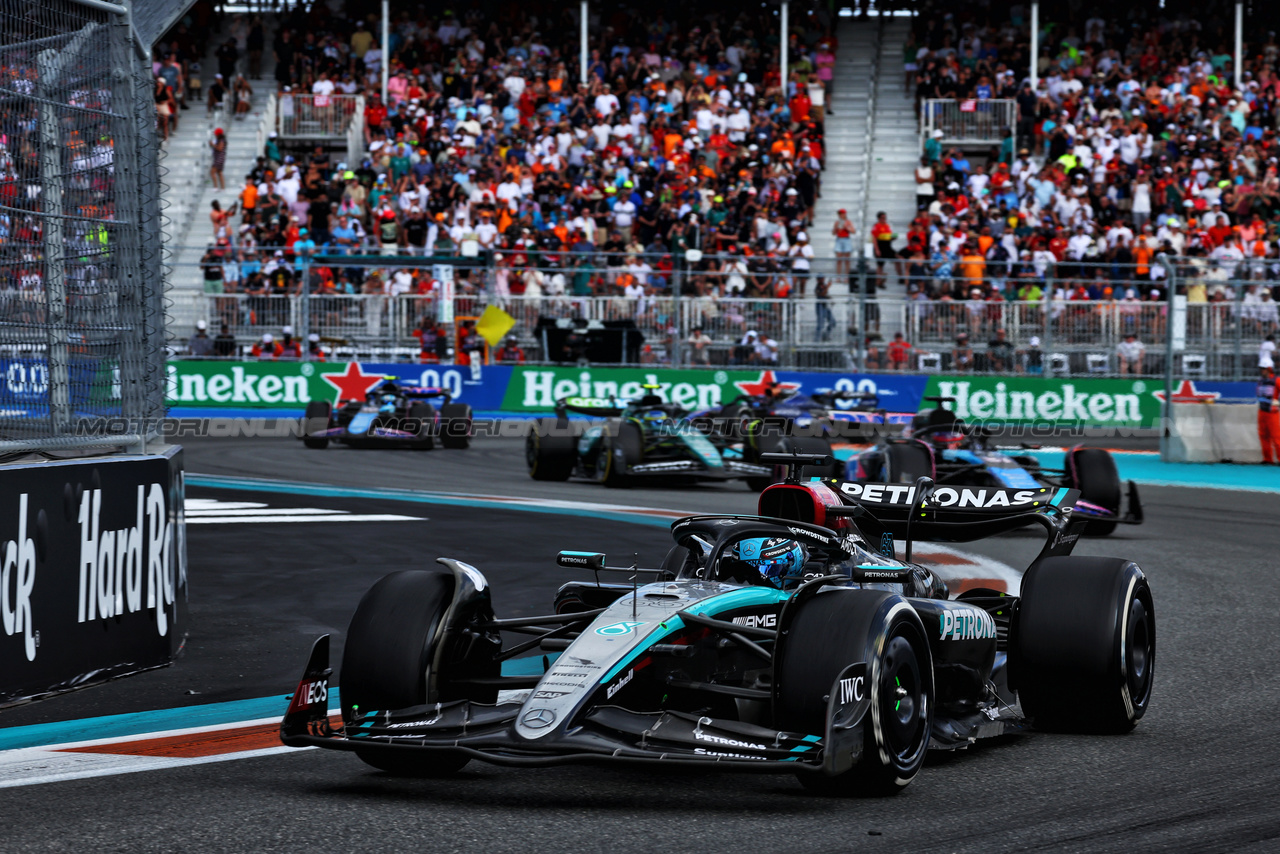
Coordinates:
(1057, 498)
(744, 598)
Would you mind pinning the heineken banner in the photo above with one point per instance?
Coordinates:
(285, 388)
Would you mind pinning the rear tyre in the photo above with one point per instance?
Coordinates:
(619, 449)
(316, 418)
(550, 449)
(424, 414)
(455, 426)
(1094, 473)
(1083, 647)
(389, 646)
(837, 628)
(907, 462)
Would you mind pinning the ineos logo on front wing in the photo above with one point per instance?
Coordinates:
(538, 718)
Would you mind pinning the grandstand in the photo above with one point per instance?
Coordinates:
(1038, 201)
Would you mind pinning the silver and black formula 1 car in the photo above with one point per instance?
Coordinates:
(393, 414)
(646, 437)
(796, 641)
(940, 445)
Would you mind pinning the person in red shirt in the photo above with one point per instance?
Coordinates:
(800, 105)
(899, 352)
(882, 241)
(267, 349)
(1269, 416)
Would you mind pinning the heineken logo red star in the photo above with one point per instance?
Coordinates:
(767, 380)
(354, 384)
(1187, 393)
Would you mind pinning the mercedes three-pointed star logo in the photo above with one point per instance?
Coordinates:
(538, 718)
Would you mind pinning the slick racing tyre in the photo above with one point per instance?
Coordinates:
(620, 447)
(907, 462)
(455, 426)
(389, 647)
(1083, 644)
(1093, 472)
(314, 420)
(829, 632)
(813, 445)
(550, 449)
(424, 416)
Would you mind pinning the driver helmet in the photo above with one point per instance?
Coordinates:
(778, 559)
(654, 415)
(387, 401)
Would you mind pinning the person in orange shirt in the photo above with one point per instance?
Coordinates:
(671, 142)
(248, 199)
(1269, 415)
(973, 266)
(784, 143)
(1142, 254)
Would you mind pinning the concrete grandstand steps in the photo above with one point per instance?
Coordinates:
(189, 184)
(846, 134)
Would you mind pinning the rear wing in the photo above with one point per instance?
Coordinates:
(963, 514)
(419, 392)
(600, 407)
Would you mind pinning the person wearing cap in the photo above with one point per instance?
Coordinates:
(200, 344)
(1033, 356)
(219, 147)
(288, 347)
(267, 349)
(801, 255)
(1268, 394)
(315, 353)
(843, 231)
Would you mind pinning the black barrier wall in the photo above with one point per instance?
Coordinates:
(93, 571)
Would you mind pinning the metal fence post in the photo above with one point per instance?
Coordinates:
(860, 345)
(1166, 411)
(1048, 322)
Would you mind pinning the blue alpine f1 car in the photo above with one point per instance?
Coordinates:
(393, 414)
(801, 641)
(939, 445)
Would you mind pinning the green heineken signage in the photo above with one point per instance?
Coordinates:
(536, 389)
(1057, 401)
(240, 385)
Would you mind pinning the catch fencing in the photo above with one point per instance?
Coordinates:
(81, 290)
(965, 122)
(379, 306)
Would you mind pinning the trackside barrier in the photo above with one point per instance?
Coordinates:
(95, 573)
(1214, 433)
(211, 385)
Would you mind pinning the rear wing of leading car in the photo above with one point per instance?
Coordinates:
(963, 513)
(599, 407)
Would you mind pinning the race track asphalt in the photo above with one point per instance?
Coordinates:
(1198, 774)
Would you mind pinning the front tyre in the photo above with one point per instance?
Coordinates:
(455, 426)
(315, 419)
(1083, 647)
(550, 449)
(837, 628)
(389, 646)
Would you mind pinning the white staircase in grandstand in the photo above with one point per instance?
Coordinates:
(895, 146)
(846, 135)
(190, 193)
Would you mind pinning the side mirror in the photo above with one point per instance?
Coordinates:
(580, 560)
